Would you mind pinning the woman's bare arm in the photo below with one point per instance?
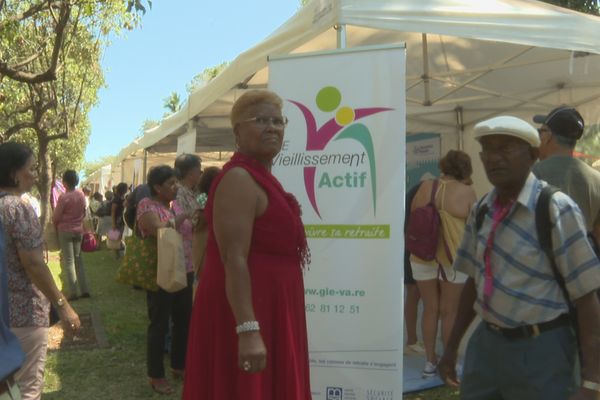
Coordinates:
(238, 201)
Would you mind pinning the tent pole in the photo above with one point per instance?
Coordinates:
(460, 127)
(425, 76)
(144, 166)
(341, 36)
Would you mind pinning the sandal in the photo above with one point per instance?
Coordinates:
(178, 374)
(161, 385)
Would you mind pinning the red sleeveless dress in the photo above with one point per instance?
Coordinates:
(277, 253)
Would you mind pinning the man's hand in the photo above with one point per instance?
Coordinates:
(447, 370)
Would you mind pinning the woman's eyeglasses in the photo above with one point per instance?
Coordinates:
(263, 122)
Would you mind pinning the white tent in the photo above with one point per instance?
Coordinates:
(466, 61)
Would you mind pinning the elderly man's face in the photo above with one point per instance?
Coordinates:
(507, 160)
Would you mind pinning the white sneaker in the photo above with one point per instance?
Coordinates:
(414, 349)
(430, 370)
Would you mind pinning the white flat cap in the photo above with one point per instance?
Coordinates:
(507, 125)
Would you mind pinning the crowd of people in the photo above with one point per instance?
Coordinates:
(237, 327)
(243, 246)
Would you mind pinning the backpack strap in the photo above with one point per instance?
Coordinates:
(433, 191)
(482, 210)
(543, 227)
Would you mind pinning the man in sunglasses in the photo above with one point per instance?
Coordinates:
(559, 132)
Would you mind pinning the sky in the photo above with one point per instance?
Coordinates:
(177, 39)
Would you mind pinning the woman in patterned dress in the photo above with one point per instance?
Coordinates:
(31, 287)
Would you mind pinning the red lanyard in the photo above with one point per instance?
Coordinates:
(498, 214)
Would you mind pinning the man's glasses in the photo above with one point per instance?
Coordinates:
(263, 122)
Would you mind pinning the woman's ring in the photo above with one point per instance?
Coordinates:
(72, 326)
(246, 365)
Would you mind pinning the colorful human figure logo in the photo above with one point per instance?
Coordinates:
(342, 126)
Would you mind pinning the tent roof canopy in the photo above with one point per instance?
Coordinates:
(466, 61)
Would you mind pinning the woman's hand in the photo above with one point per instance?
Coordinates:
(252, 353)
(69, 318)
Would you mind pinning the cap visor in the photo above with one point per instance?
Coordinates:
(539, 119)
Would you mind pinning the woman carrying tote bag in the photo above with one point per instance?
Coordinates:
(154, 214)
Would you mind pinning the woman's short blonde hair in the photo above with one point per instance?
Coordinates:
(250, 99)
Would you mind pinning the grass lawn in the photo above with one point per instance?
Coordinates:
(119, 371)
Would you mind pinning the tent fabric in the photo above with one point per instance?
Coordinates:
(466, 61)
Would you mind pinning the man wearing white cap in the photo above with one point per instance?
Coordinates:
(559, 132)
(525, 348)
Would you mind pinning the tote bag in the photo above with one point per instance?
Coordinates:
(139, 264)
(171, 274)
(113, 239)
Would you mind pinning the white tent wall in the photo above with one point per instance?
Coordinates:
(466, 61)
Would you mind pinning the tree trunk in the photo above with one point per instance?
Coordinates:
(45, 180)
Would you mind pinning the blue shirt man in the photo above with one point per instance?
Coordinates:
(525, 347)
(11, 355)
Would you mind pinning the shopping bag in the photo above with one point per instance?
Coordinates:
(171, 275)
(138, 266)
(88, 242)
(113, 239)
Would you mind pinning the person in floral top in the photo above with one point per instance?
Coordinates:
(187, 169)
(31, 287)
(154, 213)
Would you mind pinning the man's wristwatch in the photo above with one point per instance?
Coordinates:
(61, 301)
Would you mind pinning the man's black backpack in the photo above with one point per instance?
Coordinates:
(543, 227)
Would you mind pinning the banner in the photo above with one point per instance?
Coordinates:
(423, 153)
(344, 159)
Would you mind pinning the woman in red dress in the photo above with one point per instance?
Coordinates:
(248, 331)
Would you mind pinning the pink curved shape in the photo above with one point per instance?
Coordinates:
(317, 139)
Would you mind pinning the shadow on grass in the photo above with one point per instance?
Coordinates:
(118, 371)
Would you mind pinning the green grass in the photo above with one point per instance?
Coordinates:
(119, 371)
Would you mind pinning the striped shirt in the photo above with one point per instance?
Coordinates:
(525, 291)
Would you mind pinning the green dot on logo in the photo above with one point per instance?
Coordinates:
(328, 98)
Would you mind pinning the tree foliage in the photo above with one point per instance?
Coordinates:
(585, 6)
(149, 124)
(205, 76)
(172, 103)
(90, 167)
(52, 19)
(50, 81)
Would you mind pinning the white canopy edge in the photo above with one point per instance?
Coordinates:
(525, 22)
